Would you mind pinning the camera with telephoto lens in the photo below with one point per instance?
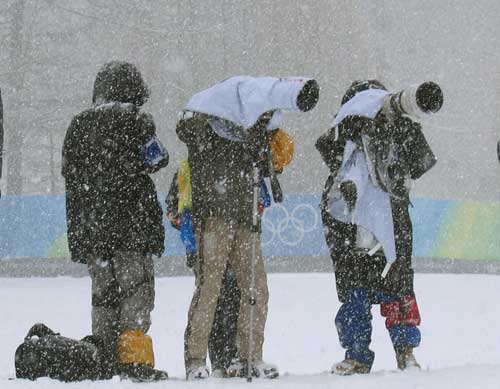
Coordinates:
(415, 101)
(398, 148)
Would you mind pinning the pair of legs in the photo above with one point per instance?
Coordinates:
(354, 327)
(222, 344)
(122, 301)
(222, 243)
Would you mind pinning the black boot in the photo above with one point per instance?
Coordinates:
(406, 359)
(139, 372)
(350, 367)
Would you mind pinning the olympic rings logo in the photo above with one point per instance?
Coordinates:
(289, 227)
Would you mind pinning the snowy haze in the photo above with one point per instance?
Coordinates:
(50, 52)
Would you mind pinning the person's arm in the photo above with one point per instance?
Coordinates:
(190, 128)
(69, 150)
(325, 145)
(172, 203)
(258, 135)
(416, 154)
(74, 191)
(331, 150)
(154, 155)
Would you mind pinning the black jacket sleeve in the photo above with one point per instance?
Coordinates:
(416, 154)
(74, 201)
(191, 128)
(331, 150)
(68, 151)
(148, 131)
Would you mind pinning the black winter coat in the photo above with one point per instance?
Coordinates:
(221, 172)
(355, 269)
(111, 202)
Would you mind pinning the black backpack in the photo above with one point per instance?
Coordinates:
(45, 353)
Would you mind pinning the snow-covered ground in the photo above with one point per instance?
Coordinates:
(460, 346)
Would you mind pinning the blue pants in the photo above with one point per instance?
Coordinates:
(353, 322)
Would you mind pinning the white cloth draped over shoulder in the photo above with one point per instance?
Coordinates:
(372, 209)
(367, 103)
(243, 99)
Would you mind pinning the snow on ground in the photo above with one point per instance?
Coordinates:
(460, 340)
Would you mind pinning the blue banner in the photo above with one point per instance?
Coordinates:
(35, 226)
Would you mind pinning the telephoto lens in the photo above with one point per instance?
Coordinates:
(429, 97)
(308, 96)
(415, 101)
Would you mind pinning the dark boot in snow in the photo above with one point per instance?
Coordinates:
(195, 373)
(406, 359)
(260, 369)
(139, 372)
(350, 367)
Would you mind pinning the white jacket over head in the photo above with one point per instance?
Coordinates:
(243, 99)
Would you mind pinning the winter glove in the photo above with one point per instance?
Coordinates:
(174, 220)
(154, 155)
(258, 136)
(352, 127)
(331, 150)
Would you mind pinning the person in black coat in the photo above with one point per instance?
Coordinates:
(358, 262)
(114, 217)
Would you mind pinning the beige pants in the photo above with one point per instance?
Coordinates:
(221, 243)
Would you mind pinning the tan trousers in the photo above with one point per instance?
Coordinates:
(221, 243)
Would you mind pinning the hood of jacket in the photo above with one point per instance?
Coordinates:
(120, 82)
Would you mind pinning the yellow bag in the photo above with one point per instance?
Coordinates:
(134, 346)
(184, 182)
(282, 147)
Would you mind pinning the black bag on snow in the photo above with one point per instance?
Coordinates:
(45, 353)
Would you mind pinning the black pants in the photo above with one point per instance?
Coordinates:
(222, 344)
